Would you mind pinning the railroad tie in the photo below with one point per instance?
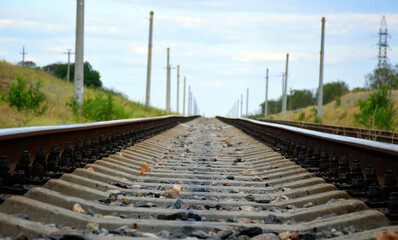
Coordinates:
(202, 179)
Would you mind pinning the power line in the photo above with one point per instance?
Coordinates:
(136, 9)
(143, 15)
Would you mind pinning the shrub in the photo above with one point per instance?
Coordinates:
(377, 110)
(359, 89)
(24, 99)
(338, 102)
(301, 116)
(100, 108)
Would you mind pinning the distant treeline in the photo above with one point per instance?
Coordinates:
(92, 78)
(305, 97)
(386, 74)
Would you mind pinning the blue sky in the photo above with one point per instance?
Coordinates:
(222, 46)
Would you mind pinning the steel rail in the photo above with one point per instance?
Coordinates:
(346, 155)
(372, 134)
(14, 141)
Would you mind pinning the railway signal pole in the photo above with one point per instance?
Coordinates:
(168, 82)
(266, 96)
(148, 73)
(79, 55)
(320, 89)
(23, 55)
(183, 102)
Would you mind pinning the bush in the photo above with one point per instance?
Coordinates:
(301, 116)
(28, 100)
(359, 89)
(338, 102)
(377, 110)
(100, 108)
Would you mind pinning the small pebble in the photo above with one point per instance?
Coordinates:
(92, 227)
(225, 234)
(163, 234)
(250, 231)
(199, 234)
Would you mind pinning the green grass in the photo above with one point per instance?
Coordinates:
(341, 114)
(57, 92)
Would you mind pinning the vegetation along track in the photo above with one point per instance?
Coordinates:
(199, 179)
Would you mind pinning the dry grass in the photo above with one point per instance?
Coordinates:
(58, 93)
(342, 115)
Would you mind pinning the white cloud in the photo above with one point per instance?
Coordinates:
(187, 22)
(269, 56)
(113, 30)
(6, 23)
(141, 50)
(214, 83)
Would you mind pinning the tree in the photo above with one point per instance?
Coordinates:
(274, 106)
(92, 78)
(387, 75)
(334, 89)
(28, 64)
(300, 99)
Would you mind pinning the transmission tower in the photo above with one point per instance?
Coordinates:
(383, 44)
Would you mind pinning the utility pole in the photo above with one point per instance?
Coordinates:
(148, 72)
(241, 105)
(68, 69)
(168, 82)
(189, 97)
(183, 102)
(237, 112)
(290, 107)
(178, 88)
(266, 96)
(190, 103)
(283, 91)
(194, 106)
(247, 103)
(285, 87)
(320, 89)
(23, 55)
(79, 55)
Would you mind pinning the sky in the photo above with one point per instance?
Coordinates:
(223, 47)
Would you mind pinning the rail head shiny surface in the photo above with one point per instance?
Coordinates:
(15, 141)
(11, 133)
(388, 148)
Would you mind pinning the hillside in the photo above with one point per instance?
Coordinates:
(342, 115)
(58, 92)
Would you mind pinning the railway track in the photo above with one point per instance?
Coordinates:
(207, 178)
(371, 134)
